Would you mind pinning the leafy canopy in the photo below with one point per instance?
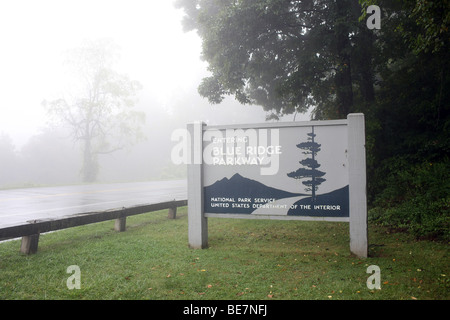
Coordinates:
(286, 56)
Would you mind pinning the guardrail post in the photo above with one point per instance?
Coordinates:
(172, 213)
(29, 244)
(120, 224)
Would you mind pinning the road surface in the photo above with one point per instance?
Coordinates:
(21, 205)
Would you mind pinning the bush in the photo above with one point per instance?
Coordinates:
(415, 199)
(421, 218)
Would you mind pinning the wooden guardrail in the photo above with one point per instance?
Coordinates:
(30, 231)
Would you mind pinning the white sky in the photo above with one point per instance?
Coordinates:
(34, 35)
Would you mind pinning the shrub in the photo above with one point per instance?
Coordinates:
(415, 199)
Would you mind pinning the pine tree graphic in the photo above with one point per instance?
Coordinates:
(310, 166)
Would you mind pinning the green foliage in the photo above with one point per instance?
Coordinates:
(286, 56)
(421, 218)
(408, 125)
(415, 198)
(433, 20)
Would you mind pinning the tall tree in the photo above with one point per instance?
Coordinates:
(100, 115)
(284, 55)
(310, 171)
(411, 115)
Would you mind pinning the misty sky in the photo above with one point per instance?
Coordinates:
(154, 50)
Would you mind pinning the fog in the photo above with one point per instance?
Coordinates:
(153, 50)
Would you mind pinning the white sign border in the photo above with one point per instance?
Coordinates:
(198, 219)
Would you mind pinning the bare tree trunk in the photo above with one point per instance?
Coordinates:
(90, 165)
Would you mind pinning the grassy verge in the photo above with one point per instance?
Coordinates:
(247, 259)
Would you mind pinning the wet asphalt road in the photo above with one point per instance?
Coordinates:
(20, 205)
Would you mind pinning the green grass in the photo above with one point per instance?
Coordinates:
(246, 259)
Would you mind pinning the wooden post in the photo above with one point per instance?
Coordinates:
(29, 244)
(172, 213)
(120, 224)
(357, 185)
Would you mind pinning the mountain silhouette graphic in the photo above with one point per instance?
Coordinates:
(238, 195)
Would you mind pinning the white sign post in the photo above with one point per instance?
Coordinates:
(312, 170)
(357, 185)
